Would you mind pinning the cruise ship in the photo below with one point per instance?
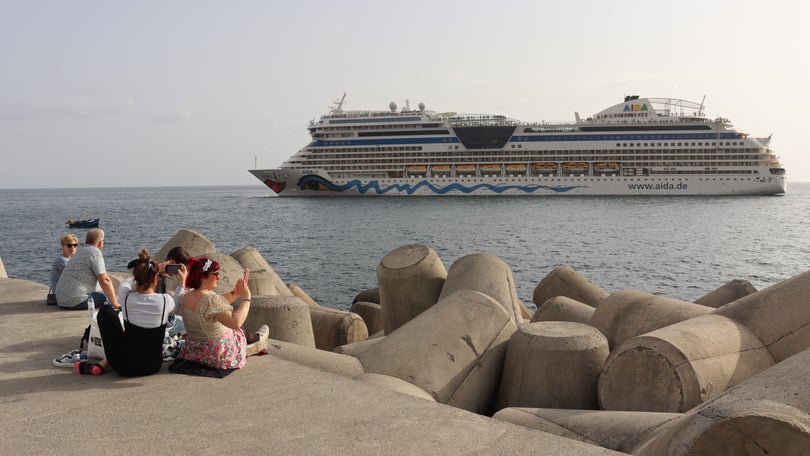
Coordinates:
(641, 146)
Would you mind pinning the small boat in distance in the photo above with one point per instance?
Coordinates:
(86, 223)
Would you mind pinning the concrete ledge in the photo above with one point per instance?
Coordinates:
(270, 406)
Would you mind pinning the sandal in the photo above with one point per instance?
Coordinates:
(85, 368)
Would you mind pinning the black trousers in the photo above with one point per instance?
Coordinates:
(132, 351)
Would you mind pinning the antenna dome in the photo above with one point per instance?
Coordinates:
(392, 106)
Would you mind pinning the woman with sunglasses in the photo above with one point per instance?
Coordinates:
(136, 349)
(215, 335)
(69, 245)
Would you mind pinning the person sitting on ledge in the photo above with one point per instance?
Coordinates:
(69, 245)
(215, 335)
(136, 349)
(84, 274)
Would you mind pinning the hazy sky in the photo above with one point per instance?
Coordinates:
(143, 93)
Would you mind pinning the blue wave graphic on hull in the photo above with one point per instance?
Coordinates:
(319, 183)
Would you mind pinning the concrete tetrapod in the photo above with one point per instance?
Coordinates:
(620, 431)
(453, 350)
(333, 328)
(489, 275)
(343, 365)
(562, 308)
(410, 279)
(371, 313)
(552, 364)
(263, 279)
(196, 244)
(629, 313)
(394, 384)
(766, 414)
(287, 317)
(675, 368)
(729, 292)
(565, 281)
(778, 315)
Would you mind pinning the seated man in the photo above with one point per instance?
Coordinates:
(84, 275)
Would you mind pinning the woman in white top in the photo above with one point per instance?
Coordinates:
(137, 348)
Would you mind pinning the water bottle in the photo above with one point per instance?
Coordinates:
(91, 306)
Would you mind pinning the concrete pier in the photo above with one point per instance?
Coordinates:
(272, 405)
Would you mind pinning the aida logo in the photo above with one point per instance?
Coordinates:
(635, 107)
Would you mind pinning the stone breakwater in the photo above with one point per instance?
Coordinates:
(627, 371)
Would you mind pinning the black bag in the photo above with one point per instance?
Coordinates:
(51, 298)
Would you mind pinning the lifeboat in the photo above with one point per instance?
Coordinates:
(465, 169)
(440, 169)
(576, 166)
(610, 167)
(417, 169)
(544, 167)
(490, 169)
(515, 169)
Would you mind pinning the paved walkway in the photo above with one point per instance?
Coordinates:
(271, 406)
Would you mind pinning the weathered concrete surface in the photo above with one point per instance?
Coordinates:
(778, 315)
(766, 414)
(270, 406)
(288, 318)
(563, 308)
(262, 275)
(629, 313)
(675, 368)
(553, 364)
(566, 281)
(454, 350)
(334, 328)
(731, 291)
(489, 275)
(410, 279)
(196, 244)
(371, 313)
(620, 431)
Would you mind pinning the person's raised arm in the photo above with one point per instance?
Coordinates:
(106, 285)
(236, 318)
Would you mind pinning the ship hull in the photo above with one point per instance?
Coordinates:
(291, 183)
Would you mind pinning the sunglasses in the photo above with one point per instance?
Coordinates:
(73, 246)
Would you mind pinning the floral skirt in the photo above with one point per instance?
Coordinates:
(227, 352)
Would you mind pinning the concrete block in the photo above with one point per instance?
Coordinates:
(394, 384)
(355, 348)
(766, 414)
(778, 315)
(619, 431)
(729, 292)
(487, 274)
(345, 366)
(553, 364)
(675, 368)
(370, 295)
(287, 317)
(565, 281)
(196, 244)
(298, 291)
(454, 350)
(333, 328)
(3, 273)
(629, 313)
(410, 279)
(562, 308)
(371, 313)
(262, 275)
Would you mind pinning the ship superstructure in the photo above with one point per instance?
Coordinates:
(641, 146)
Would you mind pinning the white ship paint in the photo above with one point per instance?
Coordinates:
(642, 146)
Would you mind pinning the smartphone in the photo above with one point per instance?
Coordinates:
(172, 269)
(247, 274)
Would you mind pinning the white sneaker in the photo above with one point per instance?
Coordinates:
(70, 358)
(261, 343)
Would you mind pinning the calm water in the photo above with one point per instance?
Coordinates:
(682, 247)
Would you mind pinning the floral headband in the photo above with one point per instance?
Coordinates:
(207, 265)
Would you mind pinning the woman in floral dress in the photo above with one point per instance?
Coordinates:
(215, 337)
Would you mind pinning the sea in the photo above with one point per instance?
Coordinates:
(680, 247)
